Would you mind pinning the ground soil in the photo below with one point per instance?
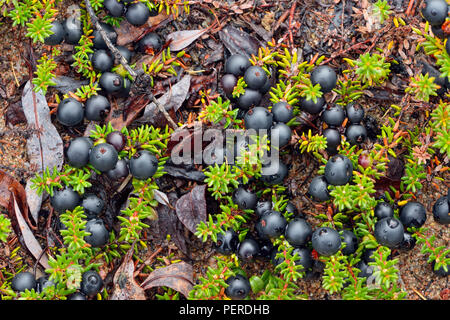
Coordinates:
(321, 31)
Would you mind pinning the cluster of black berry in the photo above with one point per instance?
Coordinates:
(103, 157)
(70, 111)
(436, 13)
(91, 284)
(271, 223)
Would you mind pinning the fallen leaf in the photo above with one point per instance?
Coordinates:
(182, 173)
(172, 99)
(178, 276)
(238, 42)
(125, 287)
(191, 208)
(67, 84)
(181, 39)
(44, 146)
(30, 241)
(120, 117)
(127, 33)
(161, 197)
(10, 186)
(261, 31)
(169, 224)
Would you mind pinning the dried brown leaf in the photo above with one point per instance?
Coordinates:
(10, 186)
(191, 208)
(181, 39)
(127, 33)
(44, 146)
(125, 287)
(178, 276)
(238, 42)
(28, 237)
(172, 99)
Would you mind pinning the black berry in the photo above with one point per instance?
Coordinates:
(413, 214)
(65, 199)
(283, 133)
(150, 43)
(103, 157)
(435, 12)
(338, 170)
(351, 242)
(124, 91)
(355, 113)
(367, 255)
(237, 64)
(383, 210)
(333, 116)
(408, 243)
(137, 14)
(325, 76)
(228, 82)
(99, 236)
(77, 153)
(262, 207)
(440, 271)
(298, 232)
(271, 225)
(333, 137)
(389, 232)
(241, 146)
(312, 107)
(58, 34)
(102, 61)
(326, 241)
(111, 82)
(248, 249)
(441, 211)
(143, 165)
(238, 287)
(117, 139)
(227, 243)
(438, 32)
(366, 270)
(266, 86)
(282, 112)
(23, 281)
(274, 173)
(318, 189)
(98, 41)
(255, 77)
(119, 171)
(265, 249)
(114, 7)
(91, 283)
(92, 205)
(250, 98)
(304, 258)
(292, 209)
(72, 30)
(125, 52)
(42, 283)
(258, 118)
(78, 296)
(97, 108)
(356, 134)
(70, 112)
(245, 199)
